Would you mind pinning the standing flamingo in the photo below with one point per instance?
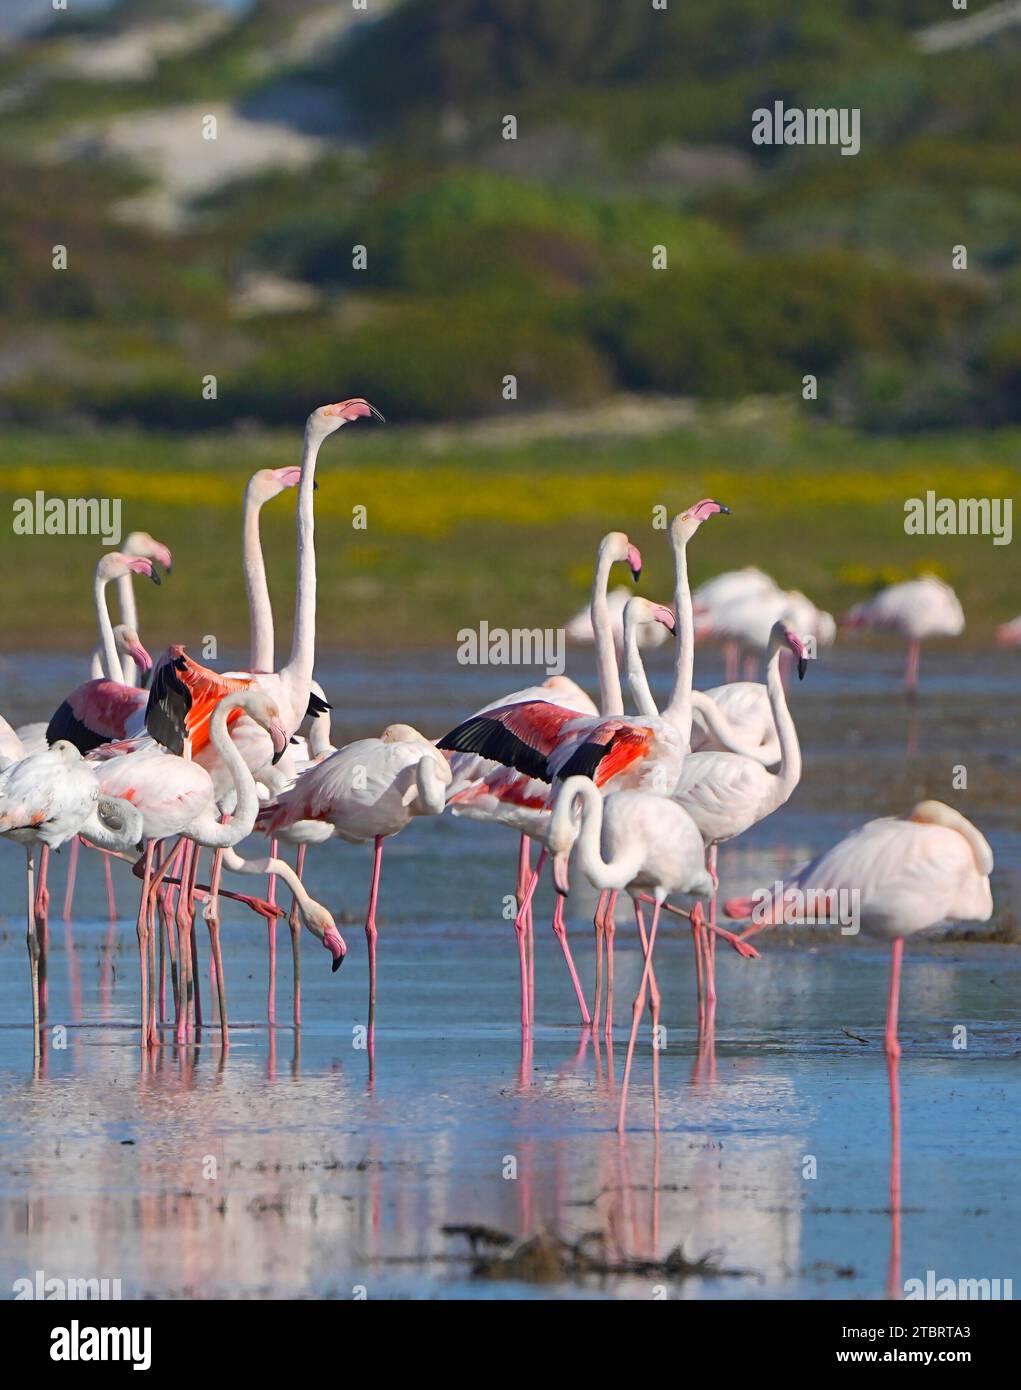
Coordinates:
(368, 790)
(138, 544)
(633, 841)
(916, 610)
(262, 486)
(176, 796)
(99, 711)
(482, 788)
(45, 799)
(717, 594)
(748, 621)
(906, 874)
(1009, 634)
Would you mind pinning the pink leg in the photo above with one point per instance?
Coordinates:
(609, 932)
(696, 940)
(636, 1014)
(911, 670)
(111, 901)
(193, 950)
(212, 916)
(72, 874)
(143, 941)
(33, 952)
(521, 924)
(371, 933)
(894, 1287)
(271, 924)
(294, 923)
(751, 667)
(560, 929)
(597, 998)
(893, 999)
(42, 926)
(653, 986)
(730, 661)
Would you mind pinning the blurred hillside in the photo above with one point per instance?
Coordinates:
(190, 257)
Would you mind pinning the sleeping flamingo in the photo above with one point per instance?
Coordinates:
(907, 873)
(630, 841)
(45, 799)
(369, 790)
(916, 610)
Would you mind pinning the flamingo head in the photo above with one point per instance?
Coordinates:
(140, 543)
(330, 417)
(264, 711)
(794, 644)
(621, 551)
(687, 523)
(117, 564)
(321, 924)
(641, 610)
(270, 482)
(130, 644)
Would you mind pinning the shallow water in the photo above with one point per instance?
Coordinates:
(289, 1167)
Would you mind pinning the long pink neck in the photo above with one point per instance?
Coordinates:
(297, 674)
(678, 710)
(611, 699)
(260, 610)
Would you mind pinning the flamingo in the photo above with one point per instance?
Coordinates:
(369, 790)
(580, 627)
(176, 796)
(136, 544)
(916, 610)
(907, 874)
(633, 841)
(262, 487)
(726, 793)
(748, 621)
(723, 590)
(482, 788)
(45, 799)
(99, 711)
(1009, 634)
(12, 749)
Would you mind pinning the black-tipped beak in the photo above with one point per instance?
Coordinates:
(277, 755)
(377, 414)
(802, 667)
(154, 576)
(723, 509)
(636, 574)
(337, 964)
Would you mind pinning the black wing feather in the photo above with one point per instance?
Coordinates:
(491, 739)
(167, 710)
(584, 761)
(65, 724)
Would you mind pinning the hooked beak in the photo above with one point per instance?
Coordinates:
(334, 943)
(560, 877)
(278, 734)
(802, 667)
(140, 656)
(634, 559)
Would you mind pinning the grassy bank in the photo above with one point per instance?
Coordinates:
(498, 523)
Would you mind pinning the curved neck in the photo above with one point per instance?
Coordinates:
(789, 772)
(242, 822)
(728, 734)
(129, 616)
(432, 790)
(634, 669)
(616, 872)
(110, 656)
(260, 611)
(611, 700)
(678, 710)
(302, 657)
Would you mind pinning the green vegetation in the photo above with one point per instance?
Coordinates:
(531, 257)
(462, 524)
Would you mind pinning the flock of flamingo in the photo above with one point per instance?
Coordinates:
(634, 803)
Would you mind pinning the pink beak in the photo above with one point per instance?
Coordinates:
(141, 566)
(140, 656)
(664, 615)
(634, 559)
(334, 943)
(280, 738)
(287, 477)
(354, 409)
(560, 878)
